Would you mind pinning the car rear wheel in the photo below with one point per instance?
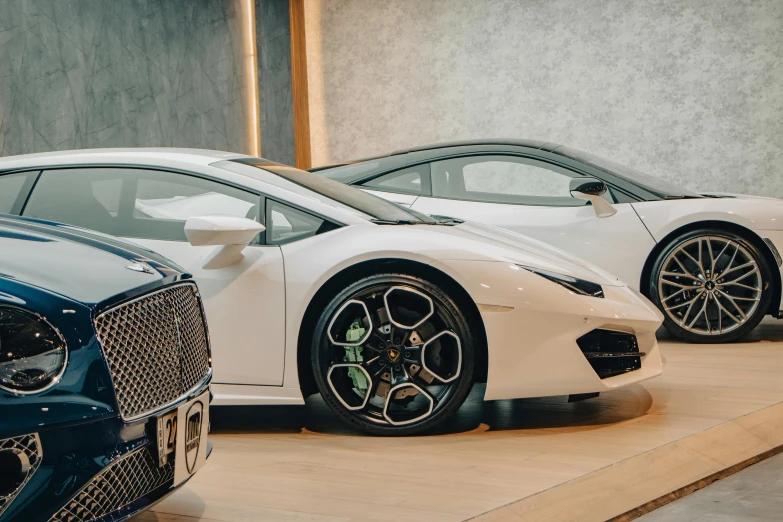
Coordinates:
(393, 355)
(713, 286)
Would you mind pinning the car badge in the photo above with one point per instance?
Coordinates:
(394, 354)
(194, 418)
(141, 267)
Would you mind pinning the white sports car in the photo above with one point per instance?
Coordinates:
(310, 285)
(710, 262)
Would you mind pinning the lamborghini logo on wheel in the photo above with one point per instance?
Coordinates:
(394, 354)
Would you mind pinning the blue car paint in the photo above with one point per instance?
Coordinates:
(77, 419)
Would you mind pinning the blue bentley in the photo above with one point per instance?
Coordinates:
(104, 372)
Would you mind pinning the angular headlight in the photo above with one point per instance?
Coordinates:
(577, 286)
(33, 354)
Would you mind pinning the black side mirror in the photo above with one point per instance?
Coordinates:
(586, 187)
(591, 189)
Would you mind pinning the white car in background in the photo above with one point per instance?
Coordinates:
(310, 285)
(710, 262)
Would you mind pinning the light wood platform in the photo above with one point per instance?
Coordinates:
(524, 460)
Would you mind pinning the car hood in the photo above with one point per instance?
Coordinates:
(488, 242)
(81, 265)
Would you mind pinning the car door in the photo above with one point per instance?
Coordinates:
(244, 302)
(532, 197)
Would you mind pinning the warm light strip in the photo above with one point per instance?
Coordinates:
(248, 10)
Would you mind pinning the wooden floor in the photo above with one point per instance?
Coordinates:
(540, 459)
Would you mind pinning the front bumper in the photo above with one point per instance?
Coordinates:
(532, 328)
(105, 467)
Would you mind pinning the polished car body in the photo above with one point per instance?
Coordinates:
(527, 186)
(82, 334)
(271, 246)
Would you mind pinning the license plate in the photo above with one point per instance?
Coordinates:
(182, 435)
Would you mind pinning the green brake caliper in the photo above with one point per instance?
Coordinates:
(354, 354)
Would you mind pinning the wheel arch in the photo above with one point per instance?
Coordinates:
(727, 226)
(365, 268)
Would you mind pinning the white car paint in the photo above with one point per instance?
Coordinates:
(255, 306)
(620, 243)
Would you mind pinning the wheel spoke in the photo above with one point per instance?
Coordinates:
(682, 267)
(688, 311)
(740, 267)
(675, 294)
(735, 305)
(686, 303)
(712, 257)
(746, 287)
(676, 274)
(696, 317)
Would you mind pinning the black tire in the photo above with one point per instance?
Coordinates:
(446, 334)
(730, 300)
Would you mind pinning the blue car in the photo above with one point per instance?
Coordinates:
(104, 375)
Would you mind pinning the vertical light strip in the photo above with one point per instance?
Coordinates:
(250, 62)
(299, 84)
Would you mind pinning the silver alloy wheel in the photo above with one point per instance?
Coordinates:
(710, 285)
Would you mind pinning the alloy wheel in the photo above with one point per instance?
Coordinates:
(710, 285)
(391, 355)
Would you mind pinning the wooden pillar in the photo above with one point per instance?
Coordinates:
(299, 85)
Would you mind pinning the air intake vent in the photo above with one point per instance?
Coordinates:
(611, 353)
(19, 459)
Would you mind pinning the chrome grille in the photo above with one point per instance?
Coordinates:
(122, 482)
(156, 346)
(30, 447)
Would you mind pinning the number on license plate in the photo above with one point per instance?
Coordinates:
(167, 437)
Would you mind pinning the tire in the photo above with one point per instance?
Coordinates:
(716, 298)
(404, 373)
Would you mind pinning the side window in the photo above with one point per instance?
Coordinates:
(146, 204)
(503, 179)
(286, 224)
(13, 191)
(413, 180)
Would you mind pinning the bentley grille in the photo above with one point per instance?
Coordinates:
(122, 482)
(27, 449)
(157, 348)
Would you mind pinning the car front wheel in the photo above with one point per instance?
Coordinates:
(393, 355)
(713, 286)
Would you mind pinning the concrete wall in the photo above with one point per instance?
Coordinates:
(689, 90)
(273, 43)
(103, 73)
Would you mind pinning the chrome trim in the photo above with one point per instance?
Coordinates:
(59, 376)
(188, 395)
(125, 386)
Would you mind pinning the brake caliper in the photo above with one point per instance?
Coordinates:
(354, 354)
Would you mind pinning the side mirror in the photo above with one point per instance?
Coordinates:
(230, 234)
(592, 189)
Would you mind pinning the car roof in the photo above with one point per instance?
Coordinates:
(533, 144)
(195, 156)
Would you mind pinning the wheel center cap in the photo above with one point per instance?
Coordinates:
(393, 354)
(709, 285)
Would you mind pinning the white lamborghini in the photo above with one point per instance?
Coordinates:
(710, 262)
(310, 285)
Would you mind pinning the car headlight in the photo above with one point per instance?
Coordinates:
(33, 354)
(577, 286)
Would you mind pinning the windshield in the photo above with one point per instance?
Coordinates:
(335, 193)
(657, 186)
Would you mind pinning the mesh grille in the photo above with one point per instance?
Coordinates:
(30, 446)
(156, 346)
(126, 480)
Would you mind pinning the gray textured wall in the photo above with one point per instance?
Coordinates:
(689, 90)
(102, 73)
(273, 42)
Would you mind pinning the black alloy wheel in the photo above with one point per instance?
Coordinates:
(713, 286)
(393, 355)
